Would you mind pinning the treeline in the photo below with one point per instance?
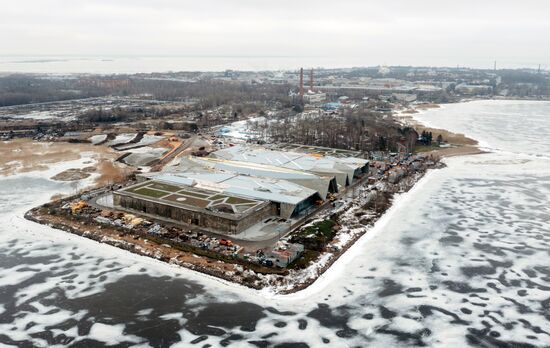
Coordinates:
(24, 89)
(357, 130)
(118, 114)
(524, 84)
(213, 93)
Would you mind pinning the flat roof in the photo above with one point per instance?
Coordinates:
(275, 190)
(177, 194)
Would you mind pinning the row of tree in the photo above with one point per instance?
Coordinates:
(426, 138)
(357, 130)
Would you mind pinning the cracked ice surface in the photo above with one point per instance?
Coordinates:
(462, 259)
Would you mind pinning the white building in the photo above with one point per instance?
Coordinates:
(314, 97)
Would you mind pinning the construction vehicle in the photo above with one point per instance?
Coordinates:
(77, 206)
(130, 219)
(226, 242)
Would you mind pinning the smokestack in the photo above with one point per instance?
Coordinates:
(302, 85)
(311, 80)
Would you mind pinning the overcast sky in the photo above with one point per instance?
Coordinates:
(391, 32)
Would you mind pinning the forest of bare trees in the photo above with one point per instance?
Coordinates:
(25, 89)
(212, 93)
(354, 130)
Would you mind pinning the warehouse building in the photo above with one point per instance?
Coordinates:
(343, 169)
(223, 212)
(289, 199)
(322, 184)
(236, 188)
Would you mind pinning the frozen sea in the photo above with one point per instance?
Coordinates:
(461, 260)
(148, 64)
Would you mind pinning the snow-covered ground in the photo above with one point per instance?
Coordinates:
(121, 139)
(98, 138)
(143, 155)
(147, 139)
(35, 115)
(241, 129)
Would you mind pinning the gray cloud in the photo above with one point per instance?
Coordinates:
(427, 32)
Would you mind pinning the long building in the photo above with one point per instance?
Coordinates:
(235, 188)
(190, 204)
(290, 199)
(322, 184)
(343, 169)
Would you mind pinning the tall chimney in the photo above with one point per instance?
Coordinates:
(302, 85)
(311, 80)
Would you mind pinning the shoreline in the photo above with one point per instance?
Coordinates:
(231, 274)
(292, 281)
(459, 144)
(354, 247)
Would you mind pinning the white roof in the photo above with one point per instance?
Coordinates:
(293, 160)
(321, 183)
(281, 191)
(249, 168)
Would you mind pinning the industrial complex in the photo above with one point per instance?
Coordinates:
(240, 187)
(260, 192)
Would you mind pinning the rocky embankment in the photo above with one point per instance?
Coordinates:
(353, 217)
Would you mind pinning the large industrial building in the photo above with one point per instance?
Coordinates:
(290, 199)
(238, 187)
(321, 184)
(343, 169)
(226, 213)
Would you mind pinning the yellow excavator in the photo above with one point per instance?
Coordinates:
(77, 206)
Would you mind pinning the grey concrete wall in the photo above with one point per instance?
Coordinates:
(212, 221)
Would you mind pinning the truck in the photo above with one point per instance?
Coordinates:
(226, 242)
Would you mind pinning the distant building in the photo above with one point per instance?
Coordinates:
(283, 253)
(314, 97)
(384, 70)
(464, 88)
(343, 99)
(331, 107)
(404, 97)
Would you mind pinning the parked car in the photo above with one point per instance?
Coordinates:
(266, 262)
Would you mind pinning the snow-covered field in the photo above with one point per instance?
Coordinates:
(460, 260)
(36, 115)
(241, 129)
